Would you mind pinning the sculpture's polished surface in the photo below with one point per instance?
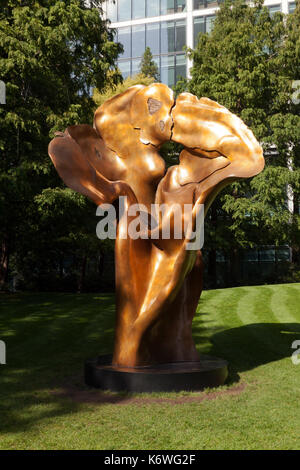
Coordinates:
(158, 281)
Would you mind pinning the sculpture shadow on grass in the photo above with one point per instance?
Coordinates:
(48, 337)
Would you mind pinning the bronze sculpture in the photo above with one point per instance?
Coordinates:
(158, 282)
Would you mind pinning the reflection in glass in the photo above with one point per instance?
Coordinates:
(152, 37)
(274, 9)
(199, 4)
(138, 40)
(138, 9)
(167, 74)
(292, 7)
(167, 37)
(180, 66)
(152, 8)
(157, 61)
(112, 11)
(211, 3)
(135, 66)
(124, 37)
(124, 10)
(181, 5)
(199, 27)
(124, 66)
(180, 35)
(167, 6)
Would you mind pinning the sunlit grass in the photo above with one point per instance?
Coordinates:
(48, 336)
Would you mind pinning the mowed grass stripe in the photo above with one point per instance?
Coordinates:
(220, 305)
(264, 415)
(254, 305)
(282, 305)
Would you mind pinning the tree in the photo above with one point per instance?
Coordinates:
(51, 54)
(285, 126)
(111, 90)
(147, 66)
(238, 65)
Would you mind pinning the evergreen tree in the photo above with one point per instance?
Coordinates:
(52, 53)
(285, 126)
(148, 67)
(240, 65)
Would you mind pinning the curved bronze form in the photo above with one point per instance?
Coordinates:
(158, 282)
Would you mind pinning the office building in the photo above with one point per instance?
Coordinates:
(166, 26)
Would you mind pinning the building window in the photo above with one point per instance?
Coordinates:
(180, 35)
(292, 7)
(202, 24)
(124, 10)
(135, 66)
(199, 27)
(112, 11)
(152, 8)
(210, 23)
(138, 9)
(124, 66)
(166, 41)
(167, 7)
(180, 66)
(180, 6)
(138, 40)
(124, 37)
(212, 3)
(152, 37)
(173, 36)
(167, 73)
(274, 9)
(167, 36)
(201, 4)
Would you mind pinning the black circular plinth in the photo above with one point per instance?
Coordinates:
(208, 372)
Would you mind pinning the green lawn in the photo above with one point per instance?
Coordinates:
(44, 404)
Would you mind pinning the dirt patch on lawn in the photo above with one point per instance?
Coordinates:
(75, 392)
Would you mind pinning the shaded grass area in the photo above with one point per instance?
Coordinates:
(49, 335)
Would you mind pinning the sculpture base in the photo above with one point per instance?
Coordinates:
(208, 372)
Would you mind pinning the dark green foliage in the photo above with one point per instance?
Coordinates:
(248, 63)
(52, 53)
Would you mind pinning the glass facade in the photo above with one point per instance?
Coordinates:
(200, 4)
(124, 10)
(202, 24)
(166, 40)
(292, 7)
(143, 23)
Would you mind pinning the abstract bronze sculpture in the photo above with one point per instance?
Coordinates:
(158, 281)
